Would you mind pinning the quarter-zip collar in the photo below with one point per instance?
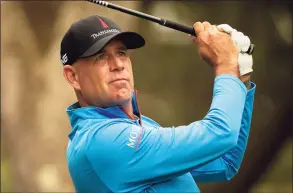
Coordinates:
(77, 113)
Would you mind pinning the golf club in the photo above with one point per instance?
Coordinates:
(164, 22)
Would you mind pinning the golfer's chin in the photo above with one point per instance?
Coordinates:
(122, 96)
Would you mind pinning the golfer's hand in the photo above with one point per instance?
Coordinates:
(242, 42)
(216, 48)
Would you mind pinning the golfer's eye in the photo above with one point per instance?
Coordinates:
(122, 53)
(100, 57)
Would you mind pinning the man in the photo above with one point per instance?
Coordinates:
(113, 148)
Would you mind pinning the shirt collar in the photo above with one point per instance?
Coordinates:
(76, 113)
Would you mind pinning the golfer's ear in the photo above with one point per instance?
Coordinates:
(69, 73)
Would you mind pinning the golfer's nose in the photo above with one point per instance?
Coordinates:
(116, 64)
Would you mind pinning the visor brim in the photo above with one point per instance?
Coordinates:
(131, 40)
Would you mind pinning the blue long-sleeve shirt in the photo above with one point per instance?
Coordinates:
(108, 152)
(227, 166)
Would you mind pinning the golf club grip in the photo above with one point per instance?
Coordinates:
(190, 30)
(179, 27)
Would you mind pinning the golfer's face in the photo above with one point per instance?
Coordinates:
(106, 79)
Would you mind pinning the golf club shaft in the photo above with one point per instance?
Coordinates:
(164, 22)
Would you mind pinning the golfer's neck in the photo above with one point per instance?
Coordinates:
(127, 108)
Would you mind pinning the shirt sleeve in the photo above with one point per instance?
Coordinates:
(227, 166)
(128, 157)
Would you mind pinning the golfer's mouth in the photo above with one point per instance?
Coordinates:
(118, 80)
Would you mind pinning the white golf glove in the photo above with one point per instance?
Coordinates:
(242, 42)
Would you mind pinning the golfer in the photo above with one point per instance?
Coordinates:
(114, 148)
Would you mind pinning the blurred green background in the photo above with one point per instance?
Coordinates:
(175, 86)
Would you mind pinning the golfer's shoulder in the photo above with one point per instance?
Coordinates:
(115, 136)
(149, 122)
(110, 132)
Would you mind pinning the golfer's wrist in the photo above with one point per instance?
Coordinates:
(233, 70)
(246, 80)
